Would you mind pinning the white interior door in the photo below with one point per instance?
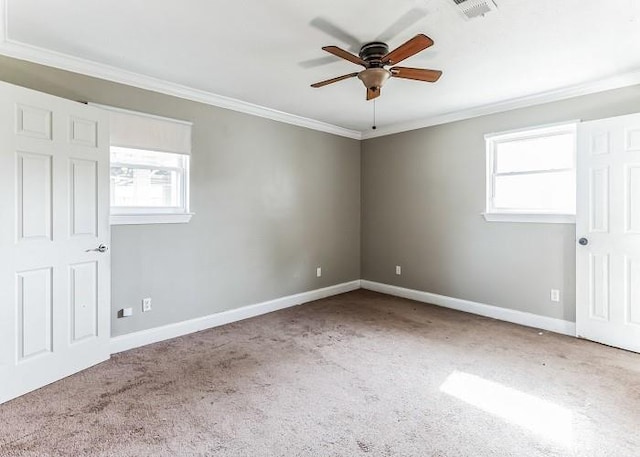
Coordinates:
(54, 210)
(608, 232)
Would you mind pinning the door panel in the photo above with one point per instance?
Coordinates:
(599, 285)
(632, 198)
(599, 200)
(83, 132)
(608, 266)
(632, 296)
(33, 121)
(84, 197)
(633, 139)
(598, 143)
(54, 208)
(84, 302)
(35, 300)
(34, 197)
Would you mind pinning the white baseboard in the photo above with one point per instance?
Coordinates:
(495, 312)
(153, 335)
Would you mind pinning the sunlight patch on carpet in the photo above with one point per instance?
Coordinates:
(541, 417)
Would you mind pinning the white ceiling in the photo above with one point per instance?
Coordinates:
(255, 50)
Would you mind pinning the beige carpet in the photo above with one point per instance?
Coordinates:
(357, 374)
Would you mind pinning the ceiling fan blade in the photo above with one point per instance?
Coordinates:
(402, 23)
(336, 32)
(406, 50)
(373, 93)
(334, 80)
(419, 74)
(336, 51)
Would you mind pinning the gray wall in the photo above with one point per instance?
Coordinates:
(272, 202)
(423, 193)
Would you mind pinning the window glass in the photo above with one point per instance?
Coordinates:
(554, 192)
(144, 187)
(542, 153)
(147, 179)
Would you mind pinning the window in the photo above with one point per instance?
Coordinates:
(147, 181)
(531, 175)
(149, 168)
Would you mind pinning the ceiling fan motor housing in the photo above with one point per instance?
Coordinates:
(375, 75)
(373, 52)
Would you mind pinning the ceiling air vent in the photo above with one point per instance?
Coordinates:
(474, 8)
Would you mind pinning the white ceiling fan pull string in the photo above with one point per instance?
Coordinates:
(374, 115)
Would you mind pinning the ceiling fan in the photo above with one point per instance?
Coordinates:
(375, 56)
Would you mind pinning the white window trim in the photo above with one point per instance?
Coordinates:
(142, 219)
(541, 218)
(492, 214)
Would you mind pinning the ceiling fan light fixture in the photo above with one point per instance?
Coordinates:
(375, 56)
(374, 78)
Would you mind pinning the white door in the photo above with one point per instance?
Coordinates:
(608, 232)
(54, 191)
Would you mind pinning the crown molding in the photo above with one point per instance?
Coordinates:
(42, 56)
(35, 54)
(614, 82)
(22, 51)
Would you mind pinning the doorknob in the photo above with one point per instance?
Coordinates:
(101, 248)
(583, 241)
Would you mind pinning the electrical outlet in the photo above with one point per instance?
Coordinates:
(146, 305)
(555, 295)
(319, 272)
(398, 270)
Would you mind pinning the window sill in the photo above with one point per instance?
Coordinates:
(141, 219)
(531, 218)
